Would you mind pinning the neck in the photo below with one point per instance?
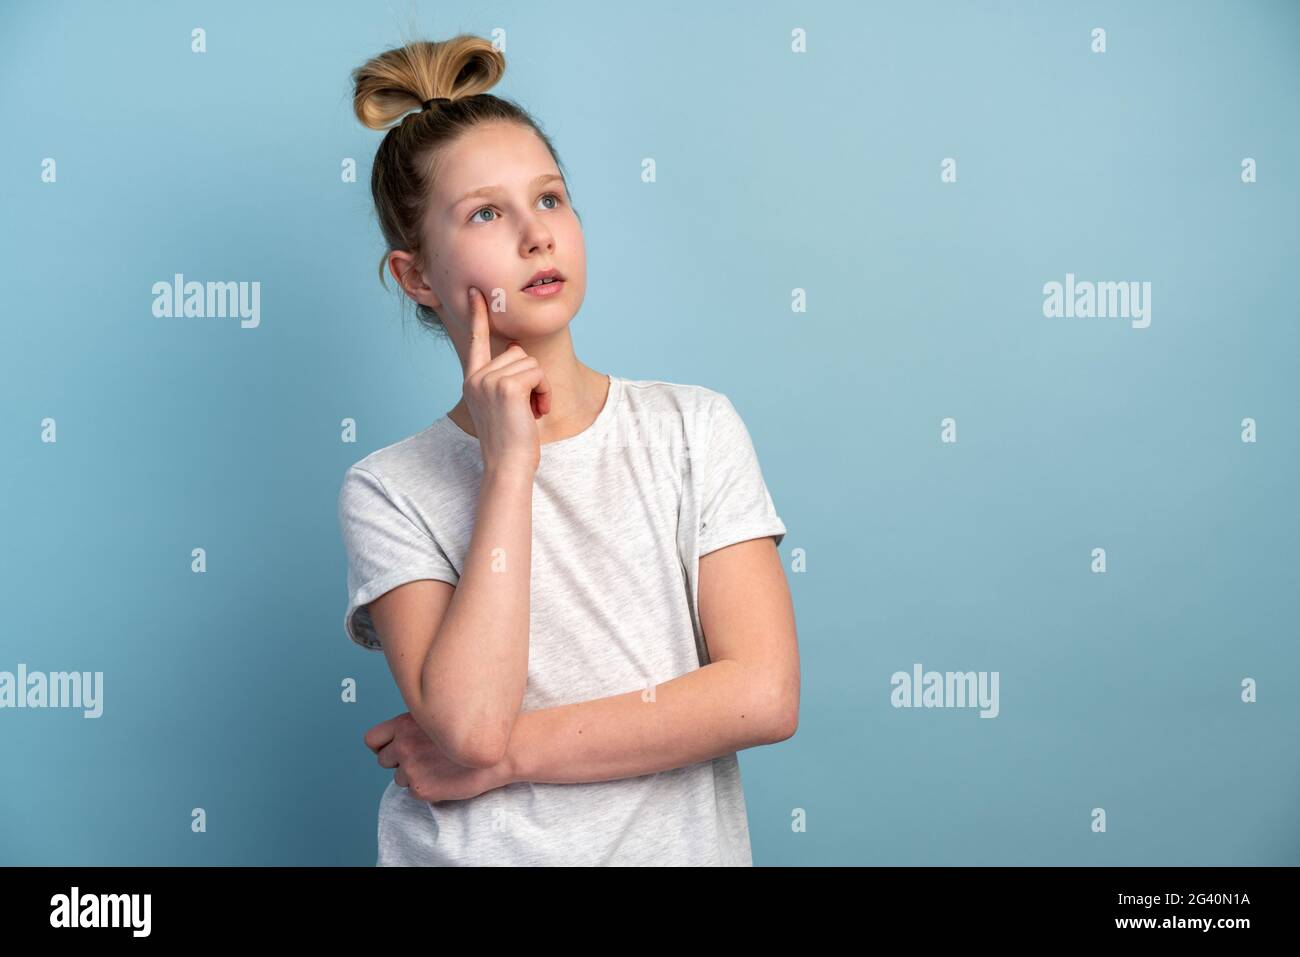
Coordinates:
(577, 391)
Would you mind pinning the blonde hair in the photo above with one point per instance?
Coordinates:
(386, 89)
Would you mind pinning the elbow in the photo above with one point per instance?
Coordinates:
(785, 722)
(477, 741)
(467, 746)
(774, 694)
(783, 716)
(480, 751)
(774, 697)
(482, 744)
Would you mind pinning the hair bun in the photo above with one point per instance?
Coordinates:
(390, 85)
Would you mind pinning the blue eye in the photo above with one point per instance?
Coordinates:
(489, 209)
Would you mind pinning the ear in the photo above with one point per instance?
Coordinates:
(406, 270)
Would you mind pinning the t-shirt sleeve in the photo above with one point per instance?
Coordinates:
(385, 548)
(736, 505)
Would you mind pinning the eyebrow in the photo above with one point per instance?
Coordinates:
(489, 190)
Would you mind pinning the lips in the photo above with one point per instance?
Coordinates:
(553, 274)
(544, 290)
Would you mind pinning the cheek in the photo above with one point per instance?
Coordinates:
(571, 238)
(452, 276)
(475, 265)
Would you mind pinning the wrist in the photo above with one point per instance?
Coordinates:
(509, 473)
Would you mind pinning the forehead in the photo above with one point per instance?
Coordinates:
(490, 154)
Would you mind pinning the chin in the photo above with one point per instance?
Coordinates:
(523, 326)
(539, 317)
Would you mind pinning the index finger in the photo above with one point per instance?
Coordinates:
(381, 734)
(480, 348)
(541, 397)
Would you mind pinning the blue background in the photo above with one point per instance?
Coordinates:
(776, 171)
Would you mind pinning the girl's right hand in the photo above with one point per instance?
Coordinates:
(505, 395)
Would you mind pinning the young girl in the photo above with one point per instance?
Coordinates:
(543, 564)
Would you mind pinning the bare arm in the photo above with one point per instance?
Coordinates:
(748, 695)
(460, 654)
(460, 658)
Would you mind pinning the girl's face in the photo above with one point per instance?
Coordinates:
(499, 214)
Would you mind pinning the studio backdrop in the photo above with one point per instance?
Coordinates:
(1003, 291)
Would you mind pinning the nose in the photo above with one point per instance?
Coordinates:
(537, 238)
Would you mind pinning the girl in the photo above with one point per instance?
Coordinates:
(543, 564)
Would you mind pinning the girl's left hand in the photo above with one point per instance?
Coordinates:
(424, 768)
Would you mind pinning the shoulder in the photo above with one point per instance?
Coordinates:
(658, 407)
(396, 453)
(706, 416)
(643, 395)
(412, 463)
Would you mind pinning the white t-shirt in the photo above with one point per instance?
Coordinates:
(622, 513)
